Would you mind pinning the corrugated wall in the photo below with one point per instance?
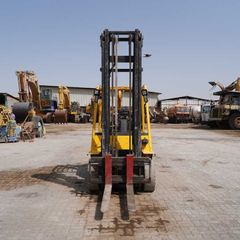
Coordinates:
(83, 95)
(187, 102)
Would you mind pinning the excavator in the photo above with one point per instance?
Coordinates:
(69, 111)
(121, 146)
(29, 109)
(65, 112)
(61, 114)
(9, 131)
(226, 113)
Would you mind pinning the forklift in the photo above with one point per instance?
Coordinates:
(121, 148)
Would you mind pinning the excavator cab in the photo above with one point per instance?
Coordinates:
(121, 147)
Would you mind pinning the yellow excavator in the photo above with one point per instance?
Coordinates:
(29, 109)
(64, 112)
(61, 114)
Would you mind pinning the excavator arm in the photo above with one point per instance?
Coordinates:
(29, 90)
(64, 98)
(235, 85)
(64, 105)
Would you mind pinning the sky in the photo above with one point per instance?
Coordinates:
(191, 42)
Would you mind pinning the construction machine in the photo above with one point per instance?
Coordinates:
(121, 147)
(178, 114)
(226, 113)
(9, 131)
(49, 105)
(67, 111)
(29, 109)
(157, 114)
(61, 114)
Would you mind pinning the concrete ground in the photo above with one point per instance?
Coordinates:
(43, 193)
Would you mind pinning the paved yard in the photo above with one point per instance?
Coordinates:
(43, 194)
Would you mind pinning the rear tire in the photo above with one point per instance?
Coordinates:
(234, 121)
(150, 186)
(92, 187)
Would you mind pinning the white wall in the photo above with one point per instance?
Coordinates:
(83, 95)
(188, 102)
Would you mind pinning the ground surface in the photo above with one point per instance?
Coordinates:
(43, 194)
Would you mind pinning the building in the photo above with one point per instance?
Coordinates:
(7, 100)
(83, 95)
(183, 100)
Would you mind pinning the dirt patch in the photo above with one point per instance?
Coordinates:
(221, 162)
(20, 178)
(147, 216)
(205, 162)
(178, 159)
(181, 188)
(58, 129)
(215, 186)
(165, 166)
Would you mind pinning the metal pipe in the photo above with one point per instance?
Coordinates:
(105, 93)
(112, 96)
(116, 91)
(130, 92)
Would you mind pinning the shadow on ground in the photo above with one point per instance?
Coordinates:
(147, 215)
(75, 177)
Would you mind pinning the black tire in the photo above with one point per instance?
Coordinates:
(150, 187)
(234, 121)
(92, 187)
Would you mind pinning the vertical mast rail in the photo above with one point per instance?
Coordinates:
(130, 92)
(116, 93)
(105, 93)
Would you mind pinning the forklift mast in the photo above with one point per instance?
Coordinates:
(121, 149)
(110, 70)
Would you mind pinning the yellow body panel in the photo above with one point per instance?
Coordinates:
(122, 144)
(122, 140)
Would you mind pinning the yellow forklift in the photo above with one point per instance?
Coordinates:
(121, 148)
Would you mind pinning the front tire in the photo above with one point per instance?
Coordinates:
(150, 186)
(234, 121)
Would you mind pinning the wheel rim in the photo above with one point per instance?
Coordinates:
(237, 122)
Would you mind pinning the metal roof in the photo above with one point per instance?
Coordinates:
(185, 97)
(9, 95)
(88, 88)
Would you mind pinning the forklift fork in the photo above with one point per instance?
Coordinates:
(129, 183)
(108, 183)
